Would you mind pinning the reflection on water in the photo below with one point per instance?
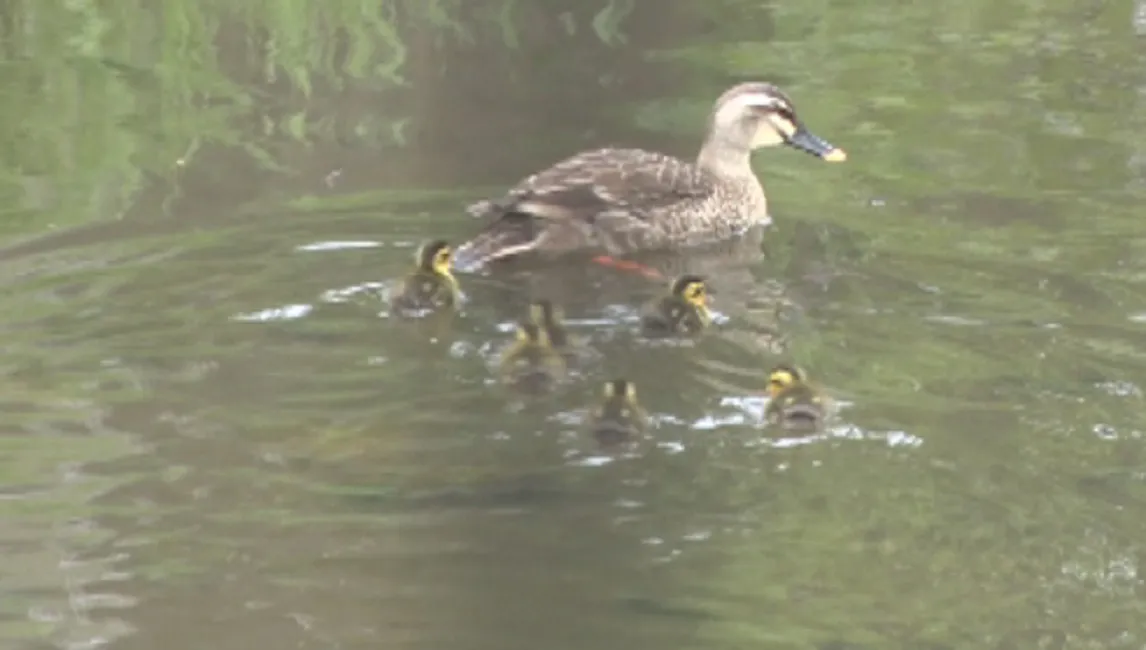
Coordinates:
(216, 434)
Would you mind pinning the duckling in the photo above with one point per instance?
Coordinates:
(431, 284)
(619, 418)
(531, 363)
(683, 311)
(795, 404)
(548, 316)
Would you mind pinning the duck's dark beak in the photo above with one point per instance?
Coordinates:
(808, 142)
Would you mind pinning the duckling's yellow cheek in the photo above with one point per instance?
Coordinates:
(443, 260)
(781, 378)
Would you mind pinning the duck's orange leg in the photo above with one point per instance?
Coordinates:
(629, 266)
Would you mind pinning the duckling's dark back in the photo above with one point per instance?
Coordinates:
(798, 406)
(424, 289)
(671, 315)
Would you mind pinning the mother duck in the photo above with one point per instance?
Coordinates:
(618, 201)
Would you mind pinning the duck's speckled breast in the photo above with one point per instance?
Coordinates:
(734, 205)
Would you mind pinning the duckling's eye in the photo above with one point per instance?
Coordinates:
(443, 256)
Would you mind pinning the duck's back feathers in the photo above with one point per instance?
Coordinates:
(603, 180)
(610, 200)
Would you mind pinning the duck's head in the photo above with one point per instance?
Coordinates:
(545, 313)
(754, 115)
(692, 290)
(783, 376)
(620, 389)
(435, 257)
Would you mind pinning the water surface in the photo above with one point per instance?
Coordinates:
(216, 434)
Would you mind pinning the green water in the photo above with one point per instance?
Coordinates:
(215, 436)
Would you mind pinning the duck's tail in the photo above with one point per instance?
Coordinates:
(485, 209)
(508, 236)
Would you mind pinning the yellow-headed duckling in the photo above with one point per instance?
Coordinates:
(795, 404)
(618, 418)
(531, 362)
(683, 311)
(549, 317)
(431, 285)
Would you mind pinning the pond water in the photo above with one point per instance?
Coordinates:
(215, 434)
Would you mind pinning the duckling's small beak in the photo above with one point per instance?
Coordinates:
(808, 142)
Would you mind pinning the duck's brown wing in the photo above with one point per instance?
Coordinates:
(599, 199)
(594, 181)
